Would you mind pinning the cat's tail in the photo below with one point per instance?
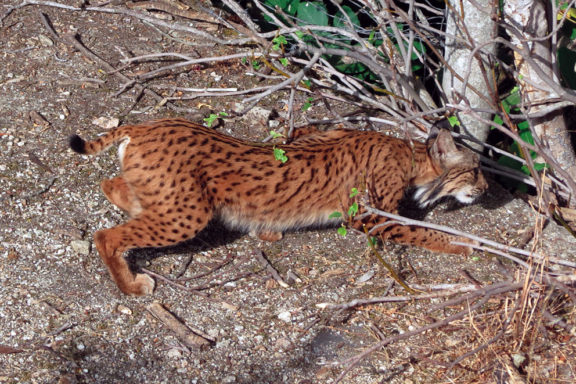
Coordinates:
(79, 145)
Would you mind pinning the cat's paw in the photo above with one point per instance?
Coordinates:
(268, 235)
(462, 249)
(143, 285)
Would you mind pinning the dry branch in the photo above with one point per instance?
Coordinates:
(269, 268)
(190, 337)
(73, 41)
(352, 362)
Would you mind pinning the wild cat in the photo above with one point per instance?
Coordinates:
(177, 176)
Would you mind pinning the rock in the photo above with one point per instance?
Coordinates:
(285, 316)
(106, 122)
(123, 309)
(45, 41)
(258, 114)
(365, 277)
(174, 353)
(81, 247)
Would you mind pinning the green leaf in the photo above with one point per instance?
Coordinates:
(378, 43)
(567, 63)
(299, 34)
(292, 7)
(354, 192)
(342, 231)
(278, 42)
(358, 70)
(454, 122)
(280, 155)
(514, 98)
(307, 104)
(372, 35)
(526, 135)
(497, 120)
(312, 13)
(210, 120)
(213, 117)
(282, 4)
(335, 215)
(417, 67)
(353, 210)
(510, 163)
(540, 166)
(256, 65)
(419, 46)
(283, 61)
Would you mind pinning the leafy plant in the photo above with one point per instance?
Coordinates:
(453, 120)
(352, 211)
(278, 43)
(345, 17)
(256, 65)
(306, 106)
(279, 153)
(510, 105)
(209, 121)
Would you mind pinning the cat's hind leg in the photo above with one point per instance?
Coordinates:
(119, 193)
(149, 229)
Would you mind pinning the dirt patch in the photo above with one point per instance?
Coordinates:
(66, 320)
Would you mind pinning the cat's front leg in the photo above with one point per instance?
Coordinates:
(431, 239)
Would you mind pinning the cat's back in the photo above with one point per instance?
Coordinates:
(357, 144)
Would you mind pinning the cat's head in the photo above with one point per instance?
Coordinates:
(458, 168)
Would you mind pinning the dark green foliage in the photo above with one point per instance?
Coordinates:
(324, 14)
(510, 105)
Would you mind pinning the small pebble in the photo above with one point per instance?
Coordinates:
(81, 247)
(285, 316)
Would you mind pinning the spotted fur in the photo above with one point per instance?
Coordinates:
(177, 176)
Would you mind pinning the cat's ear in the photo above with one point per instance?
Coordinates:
(441, 145)
(437, 127)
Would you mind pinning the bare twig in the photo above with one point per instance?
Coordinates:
(396, 299)
(75, 42)
(352, 362)
(190, 337)
(269, 268)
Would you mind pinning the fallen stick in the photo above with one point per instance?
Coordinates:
(269, 268)
(190, 337)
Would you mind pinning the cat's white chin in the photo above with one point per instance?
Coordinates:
(465, 198)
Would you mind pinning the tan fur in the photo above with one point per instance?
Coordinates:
(178, 175)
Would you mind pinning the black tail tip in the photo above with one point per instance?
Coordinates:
(77, 144)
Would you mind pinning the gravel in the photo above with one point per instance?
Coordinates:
(70, 324)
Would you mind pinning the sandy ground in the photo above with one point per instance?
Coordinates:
(67, 322)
